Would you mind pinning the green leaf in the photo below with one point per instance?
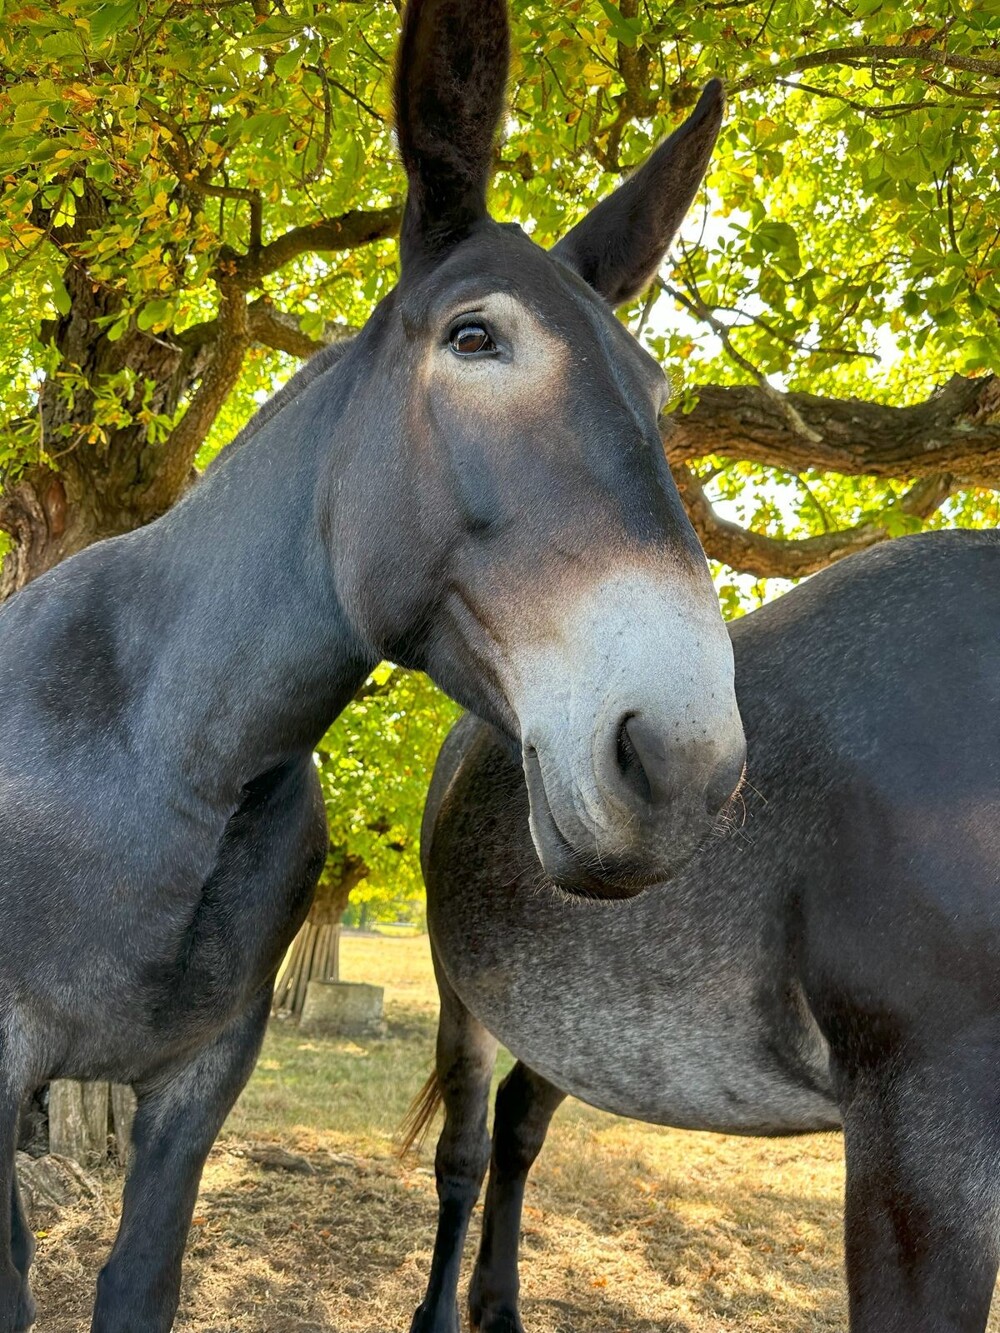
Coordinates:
(155, 314)
(288, 63)
(626, 31)
(109, 20)
(780, 241)
(983, 353)
(61, 297)
(117, 329)
(100, 169)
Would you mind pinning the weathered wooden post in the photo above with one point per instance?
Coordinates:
(84, 1118)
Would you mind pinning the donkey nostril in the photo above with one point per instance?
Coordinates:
(657, 773)
(630, 764)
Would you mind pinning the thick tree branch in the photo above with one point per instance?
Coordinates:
(347, 232)
(219, 377)
(956, 430)
(269, 327)
(790, 558)
(924, 54)
(278, 329)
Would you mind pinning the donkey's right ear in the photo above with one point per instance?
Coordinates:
(451, 78)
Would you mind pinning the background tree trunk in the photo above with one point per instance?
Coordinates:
(315, 951)
(86, 1118)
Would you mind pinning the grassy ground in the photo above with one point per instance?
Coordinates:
(628, 1228)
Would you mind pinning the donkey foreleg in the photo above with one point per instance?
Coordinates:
(176, 1123)
(465, 1056)
(22, 1245)
(17, 1309)
(525, 1105)
(922, 1140)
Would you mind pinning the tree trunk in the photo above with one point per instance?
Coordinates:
(51, 514)
(105, 458)
(85, 1119)
(315, 951)
(104, 481)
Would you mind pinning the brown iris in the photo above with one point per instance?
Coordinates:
(468, 339)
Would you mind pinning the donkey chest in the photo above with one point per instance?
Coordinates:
(143, 958)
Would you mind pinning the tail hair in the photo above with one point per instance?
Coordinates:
(420, 1114)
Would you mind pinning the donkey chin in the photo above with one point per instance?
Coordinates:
(625, 849)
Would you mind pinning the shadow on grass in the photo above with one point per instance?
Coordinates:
(346, 1250)
(668, 1230)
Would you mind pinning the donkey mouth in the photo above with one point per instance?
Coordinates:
(587, 876)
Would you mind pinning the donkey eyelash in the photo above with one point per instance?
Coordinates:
(465, 317)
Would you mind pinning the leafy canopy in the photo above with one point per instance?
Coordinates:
(853, 198)
(375, 764)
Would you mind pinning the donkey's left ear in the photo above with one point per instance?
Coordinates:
(451, 79)
(620, 244)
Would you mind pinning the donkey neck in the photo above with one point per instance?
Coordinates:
(254, 655)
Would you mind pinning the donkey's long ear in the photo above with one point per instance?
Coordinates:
(451, 77)
(620, 244)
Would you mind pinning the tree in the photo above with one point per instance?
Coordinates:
(162, 163)
(374, 764)
(191, 191)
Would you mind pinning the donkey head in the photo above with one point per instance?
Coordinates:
(514, 528)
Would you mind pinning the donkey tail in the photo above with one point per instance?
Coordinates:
(422, 1111)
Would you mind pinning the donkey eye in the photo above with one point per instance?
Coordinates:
(470, 340)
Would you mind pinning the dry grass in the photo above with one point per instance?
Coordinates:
(628, 1228)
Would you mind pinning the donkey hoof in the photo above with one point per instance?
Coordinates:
(495, 1321)
(434, 1319)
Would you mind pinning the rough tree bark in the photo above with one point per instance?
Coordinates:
(794, 558)
(315, 952)
(955, 430)
(949, 442)
(106, 483)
